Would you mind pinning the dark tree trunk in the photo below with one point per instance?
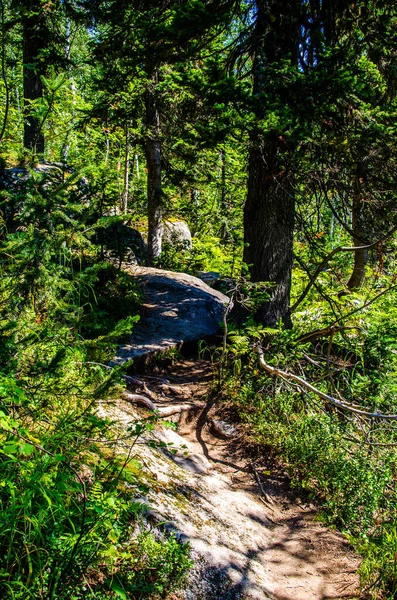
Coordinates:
(270, 206)
(269, 228)
(126, 183)
(33, 43)
(153, 160)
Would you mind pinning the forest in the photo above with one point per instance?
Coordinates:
(267, 127)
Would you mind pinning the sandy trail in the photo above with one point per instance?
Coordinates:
(251, 537)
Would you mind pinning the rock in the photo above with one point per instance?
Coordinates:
(177, 234)
(123, 243)
(219, 282)
(209, 277)
(178, 308)
(223, 429)
(15, 179)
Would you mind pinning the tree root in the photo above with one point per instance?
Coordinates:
(162, 411)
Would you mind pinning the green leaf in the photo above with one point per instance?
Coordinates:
(10, 448)
(118, 590)
(26, 449)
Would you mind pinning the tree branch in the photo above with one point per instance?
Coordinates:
(300, 381)
(329, 256)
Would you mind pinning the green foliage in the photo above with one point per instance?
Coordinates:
(226, 80)
(157, 567)
(68, 513)
(345, 462)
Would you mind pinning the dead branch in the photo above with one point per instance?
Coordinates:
(365, 305)
(268, 500)
(138, 383)
(300, 381)
(174, 409)
(326, 331)
(326, 260)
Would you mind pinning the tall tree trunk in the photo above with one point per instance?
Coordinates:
(3, 72)
(33, 138)
(153, 160)
(68, 49)
(124, 201)
(270, 207)
(361, 255)
(269, 227)
(224, 205)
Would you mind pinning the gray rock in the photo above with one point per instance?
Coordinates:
(177, 234)
(209, 277)
(217, 281)
(223, 429)
(123, 243)
(178, 308)
(16, 178)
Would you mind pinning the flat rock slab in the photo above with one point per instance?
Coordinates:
(177, 308)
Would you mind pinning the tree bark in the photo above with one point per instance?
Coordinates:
(124, 200)
(224, 205)
(153, 160)
(4, 73)
(269, 227)
(270, 207)
(33, 42)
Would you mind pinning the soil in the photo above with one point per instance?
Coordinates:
(251, 535)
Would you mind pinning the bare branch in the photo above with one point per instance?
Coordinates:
(162, 411)
(300, 381)
(329, 256)
(326, 331)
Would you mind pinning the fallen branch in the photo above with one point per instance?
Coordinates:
(343, 405)
(266, 499)
(174, 409)
(326, 331)
(138, 383)
(139, 399)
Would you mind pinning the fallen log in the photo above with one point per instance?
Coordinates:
(139, 399)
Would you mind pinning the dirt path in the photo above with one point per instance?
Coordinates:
(251, 537)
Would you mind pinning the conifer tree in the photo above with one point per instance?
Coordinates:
(152, 37)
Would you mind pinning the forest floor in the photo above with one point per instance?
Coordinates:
(251, 535)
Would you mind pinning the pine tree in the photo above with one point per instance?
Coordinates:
(153, 37)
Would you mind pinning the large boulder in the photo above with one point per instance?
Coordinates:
(123, 243)
(16, 179)
(177, 233)
(177, 308)
(45, 178)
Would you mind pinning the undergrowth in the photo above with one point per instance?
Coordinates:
(69, 525)
(346, 461)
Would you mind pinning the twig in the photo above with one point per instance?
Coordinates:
(266, 497)
(329, 256)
